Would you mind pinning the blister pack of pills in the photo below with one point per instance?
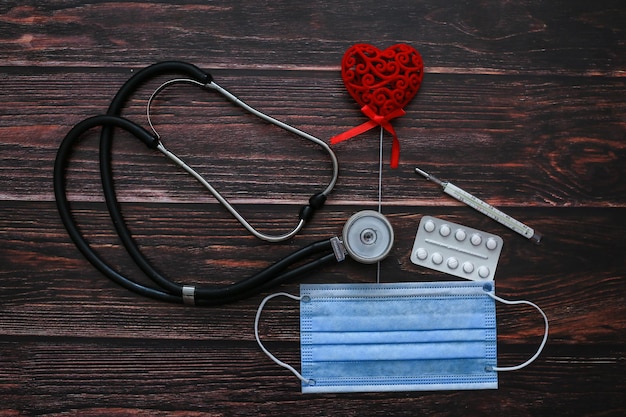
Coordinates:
(456, 249)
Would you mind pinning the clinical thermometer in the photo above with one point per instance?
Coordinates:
(486, 209)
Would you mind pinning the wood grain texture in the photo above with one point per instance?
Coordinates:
(522, 104)
(563, 37)
(527, 135)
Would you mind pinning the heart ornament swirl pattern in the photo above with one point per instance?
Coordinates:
(382, 83)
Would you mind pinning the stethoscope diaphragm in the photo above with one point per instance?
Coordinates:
(368, 236)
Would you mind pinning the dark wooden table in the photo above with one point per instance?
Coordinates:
(522, 104)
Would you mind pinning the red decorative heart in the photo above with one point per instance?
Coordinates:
(382, 82)
(385, 81)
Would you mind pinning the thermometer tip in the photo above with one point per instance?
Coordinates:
(536, 238)
(423, 173)
(428, 176)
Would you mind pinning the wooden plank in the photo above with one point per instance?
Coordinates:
(522, 104)
(140, 377)
(539, 137)
(50, 290)
(572, 38)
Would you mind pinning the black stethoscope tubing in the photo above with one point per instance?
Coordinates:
(169, 291)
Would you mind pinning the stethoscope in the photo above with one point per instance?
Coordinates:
(367, 236)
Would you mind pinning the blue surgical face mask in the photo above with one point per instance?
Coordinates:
(398, 337)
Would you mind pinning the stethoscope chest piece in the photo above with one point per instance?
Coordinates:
(368, 236)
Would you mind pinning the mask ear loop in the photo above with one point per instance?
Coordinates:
(541, 346)
(267, 352)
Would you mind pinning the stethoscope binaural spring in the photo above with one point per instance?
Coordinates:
(326, 251)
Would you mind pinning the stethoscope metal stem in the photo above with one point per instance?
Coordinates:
(178, 161)
(269, 238)
(212, 85)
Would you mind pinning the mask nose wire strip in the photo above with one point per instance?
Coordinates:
(264, 349)
(543, 342)
(178, 161)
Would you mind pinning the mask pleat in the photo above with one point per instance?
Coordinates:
(416, 336)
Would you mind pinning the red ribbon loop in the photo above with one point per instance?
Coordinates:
(375, 120)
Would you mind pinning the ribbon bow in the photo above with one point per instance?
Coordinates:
(382, 83)
(375, 120)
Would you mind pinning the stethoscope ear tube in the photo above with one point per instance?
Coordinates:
(165, 289)
(106, 172)
(204, 80)
(150, 72)
(63, 206)
(170, 291)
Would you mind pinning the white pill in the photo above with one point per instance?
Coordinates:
(456, 249)
(483, 271)
(453, 263)
(491, 243)
(468, 267)
(437, 258)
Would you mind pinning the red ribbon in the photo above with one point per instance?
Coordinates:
(375, 120)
